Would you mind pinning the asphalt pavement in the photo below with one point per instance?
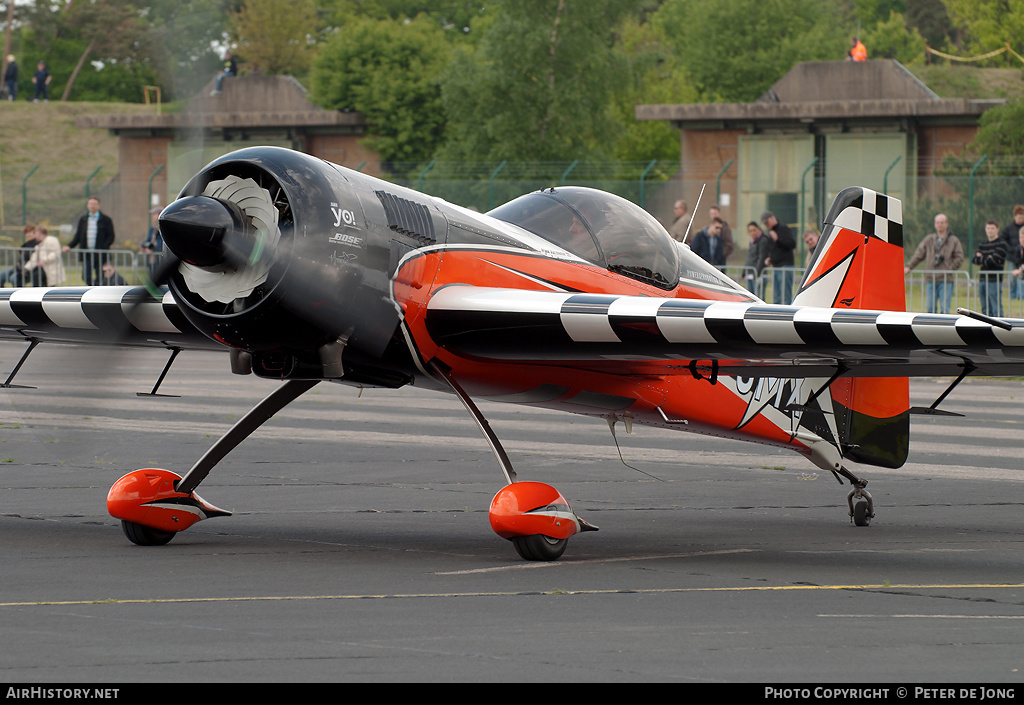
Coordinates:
(359, 548)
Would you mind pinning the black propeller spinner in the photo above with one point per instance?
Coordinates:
(208, 232)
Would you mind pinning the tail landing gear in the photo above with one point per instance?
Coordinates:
(863, 511)
(862, 507)
(826, 456)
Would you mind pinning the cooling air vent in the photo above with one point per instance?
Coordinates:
(408, 217)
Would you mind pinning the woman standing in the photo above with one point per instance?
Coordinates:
(44, 267)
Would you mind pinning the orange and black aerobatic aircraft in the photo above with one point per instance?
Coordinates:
(567, 298)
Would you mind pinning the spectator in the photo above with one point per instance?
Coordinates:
(1009, 235)
(13, 275)
(756, 256)
(991, 255)
(230, 69)
(780, 257)
(1016, 258)
(11, 78)
(44, 266)
(94, 236)
(110, 276)
(811, 241)
(942, 250)
(153, 246)
(707, 244)
(727, 243)
(42, 79)
(857, 51)
(678, 228)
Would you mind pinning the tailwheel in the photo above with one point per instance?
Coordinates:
(539, 547)
(144, 535)
(862, 514)
(862, 506)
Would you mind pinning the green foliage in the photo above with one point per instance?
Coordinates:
(989, 24)
(180, 38)
(892, 40)
(275, 36)
(873, 12)
(539, 84)
(929, 17)
(655, 76)
(455, 15)
(734, 50)
(1001, 130)
(104, 32)
(388, 71)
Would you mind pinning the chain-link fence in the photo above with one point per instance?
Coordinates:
(968, 194)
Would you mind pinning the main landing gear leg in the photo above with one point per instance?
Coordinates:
(534, 516)
(153, 505)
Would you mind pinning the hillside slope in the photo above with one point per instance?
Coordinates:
(45, 135)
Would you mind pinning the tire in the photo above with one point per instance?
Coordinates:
(860, 514)
(539, 547)
(145, 536)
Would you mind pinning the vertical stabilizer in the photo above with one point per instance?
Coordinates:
(858, 265)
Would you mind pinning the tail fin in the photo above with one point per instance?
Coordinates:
(858, 264)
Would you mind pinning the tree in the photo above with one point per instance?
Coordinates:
(655, 76)
(275, 36)
(989, 24)
(93, 48)
(892, 40)
(734, 50)
(929, 17)
(454, 15)
(1001, 131)
(180, 40)
(388, 71)
(113, 24)
(538, 86)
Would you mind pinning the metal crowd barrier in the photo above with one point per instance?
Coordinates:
(964, 288)
(764, 285)
(130, 265)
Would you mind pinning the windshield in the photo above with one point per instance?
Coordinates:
(601, 228)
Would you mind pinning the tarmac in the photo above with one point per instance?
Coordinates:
(360, 550)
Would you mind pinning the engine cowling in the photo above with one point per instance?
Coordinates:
(279, 261)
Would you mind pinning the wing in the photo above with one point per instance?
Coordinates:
(745, 339)
(101, 315)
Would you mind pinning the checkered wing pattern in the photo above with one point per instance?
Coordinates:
(113, 315)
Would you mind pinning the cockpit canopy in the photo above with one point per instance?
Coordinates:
(601, 228)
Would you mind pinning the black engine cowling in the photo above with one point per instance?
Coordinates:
(279, 261)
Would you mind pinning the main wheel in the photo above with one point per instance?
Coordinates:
(144, 535)
(539, 547)
(860, 514)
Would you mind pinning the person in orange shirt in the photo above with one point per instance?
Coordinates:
(857, 52)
